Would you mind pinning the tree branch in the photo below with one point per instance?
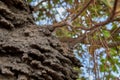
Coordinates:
(72, 42)
(82, 10)
(110, 18)
(66, 21)
(36, 8)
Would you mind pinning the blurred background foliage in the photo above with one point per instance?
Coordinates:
(95, 38)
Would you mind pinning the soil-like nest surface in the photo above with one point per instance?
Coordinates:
(28, 52)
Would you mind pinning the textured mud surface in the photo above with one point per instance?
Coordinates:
(28, 52)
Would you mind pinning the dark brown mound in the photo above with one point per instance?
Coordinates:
(28, 52)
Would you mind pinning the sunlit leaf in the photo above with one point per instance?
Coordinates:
(112, 51)
(114, 68)
(108, 3)
(102, 68)
(29, 1)
(106, 33)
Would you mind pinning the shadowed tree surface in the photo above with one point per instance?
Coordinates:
(28, 52)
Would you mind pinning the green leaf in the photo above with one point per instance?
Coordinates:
(70, 1)
(102, 69)
(114, 68)
(29, 1)
(113, 51)
(107, 3)
(106, 33)
(103, 60)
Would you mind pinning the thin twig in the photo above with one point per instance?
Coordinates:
(36, 8)
(82, 10)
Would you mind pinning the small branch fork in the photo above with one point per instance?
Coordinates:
(110, 19)
(71, 17)
(69, 22)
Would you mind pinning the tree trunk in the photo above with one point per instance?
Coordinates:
(28, 52)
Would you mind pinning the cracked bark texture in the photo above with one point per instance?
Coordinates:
(28, 52)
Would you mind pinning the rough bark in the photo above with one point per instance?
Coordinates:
(28, 52)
